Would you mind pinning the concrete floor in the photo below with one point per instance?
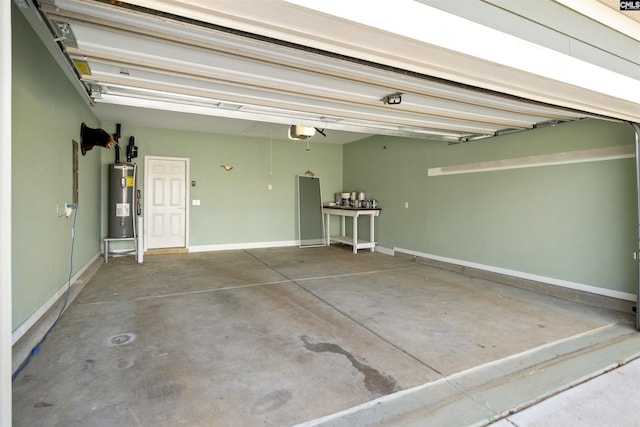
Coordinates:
(313, 336)
(607, 400)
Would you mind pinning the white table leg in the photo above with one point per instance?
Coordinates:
(355, 234)
(371, 239)
(342, 226)
(327, 222)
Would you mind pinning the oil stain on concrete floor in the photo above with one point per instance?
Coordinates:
(273, 337)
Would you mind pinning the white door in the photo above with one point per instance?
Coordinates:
(166, 202)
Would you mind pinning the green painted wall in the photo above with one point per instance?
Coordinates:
(236, 206)
(570, 222)
(47, 113)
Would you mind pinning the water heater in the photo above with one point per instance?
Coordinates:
(122, 210)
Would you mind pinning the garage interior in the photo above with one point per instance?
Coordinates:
(497, 138)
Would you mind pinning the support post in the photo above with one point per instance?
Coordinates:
(5, 213)
(636, 128)
(140, 244)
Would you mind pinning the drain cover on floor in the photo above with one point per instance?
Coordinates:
(122, 339)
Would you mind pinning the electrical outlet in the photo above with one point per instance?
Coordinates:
(67, 212)
(406, 205)
(269, 187)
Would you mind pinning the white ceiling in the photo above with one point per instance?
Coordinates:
(254, 67)
(153, 118)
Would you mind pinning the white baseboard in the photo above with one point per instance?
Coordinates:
(247, 245)
(534, 277)
(385, 251)
(262, 245)
(31, 320)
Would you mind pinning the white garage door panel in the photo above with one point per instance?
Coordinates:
(192, 66)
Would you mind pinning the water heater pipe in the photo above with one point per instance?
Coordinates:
(130, 149)
(116, 137)
(134, 210)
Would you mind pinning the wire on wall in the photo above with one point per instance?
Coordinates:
(36, 349)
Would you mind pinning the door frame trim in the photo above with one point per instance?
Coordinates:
(187, 173)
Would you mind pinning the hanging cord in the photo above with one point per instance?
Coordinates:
(36, 349)
(270, 151)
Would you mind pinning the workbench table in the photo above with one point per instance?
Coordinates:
(354, 213)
